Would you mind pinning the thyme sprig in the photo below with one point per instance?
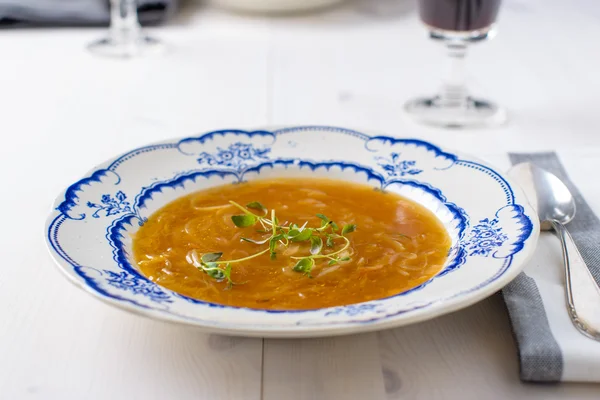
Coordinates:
(281, 235)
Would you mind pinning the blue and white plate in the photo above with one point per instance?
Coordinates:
(493, 228)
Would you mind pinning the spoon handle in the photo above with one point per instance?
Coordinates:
(582, 292)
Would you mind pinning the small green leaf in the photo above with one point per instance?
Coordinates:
(302, 236)
(293, 233)
(243, 221)
(304, 265)
(332, 262)
(255, 241)
(329, 242)
(349, 228)
(255, 205)
(334, 226)
(208, 257)
(210, 265)
(324, 220)
(316, 244)
(215, 273)
(345, 259)
(323, 217)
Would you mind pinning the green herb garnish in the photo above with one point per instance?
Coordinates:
(280, 235)
(348, 229)
(305, 265)
(209, 263)
(243, 221)
(255, 205)
(316, 245)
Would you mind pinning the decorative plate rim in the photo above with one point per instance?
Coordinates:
(430, 310)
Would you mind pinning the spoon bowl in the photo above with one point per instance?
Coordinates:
(546, 193)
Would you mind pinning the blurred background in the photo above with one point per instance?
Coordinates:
(228, 63)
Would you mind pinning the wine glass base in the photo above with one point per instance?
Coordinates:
(140, 46)
(473, 113)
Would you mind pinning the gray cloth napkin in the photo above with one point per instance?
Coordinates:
(542, 350)
(77, 12)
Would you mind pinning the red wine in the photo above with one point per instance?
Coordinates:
(459, 15)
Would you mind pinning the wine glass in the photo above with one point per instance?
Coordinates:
(125, 35)
(457, 23)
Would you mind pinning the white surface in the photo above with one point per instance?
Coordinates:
(353, 67)
(273, 5)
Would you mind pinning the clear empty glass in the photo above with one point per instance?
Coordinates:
(125, 35)
(457, 23)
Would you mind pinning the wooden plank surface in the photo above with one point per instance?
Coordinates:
(70, 346)
(346, 367)
(469, 354)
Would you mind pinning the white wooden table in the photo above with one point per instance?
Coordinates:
(63, 111)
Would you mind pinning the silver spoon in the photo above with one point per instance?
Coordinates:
(556, 207)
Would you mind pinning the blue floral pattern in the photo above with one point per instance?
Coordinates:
(136, 285)
(237, 155)
(485, 237)
(112, 205)
(396, 167)
(353, 310)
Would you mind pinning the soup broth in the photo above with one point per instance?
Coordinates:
(397, 244)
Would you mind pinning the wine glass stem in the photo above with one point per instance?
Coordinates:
(124, 24)
(454, 89)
